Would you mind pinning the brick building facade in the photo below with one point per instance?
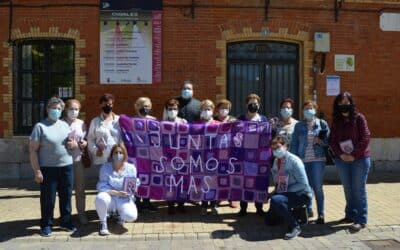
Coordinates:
(195, 39)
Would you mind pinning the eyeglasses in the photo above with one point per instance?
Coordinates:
(171, 109)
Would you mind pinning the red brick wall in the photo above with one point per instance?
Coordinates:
(189, 51)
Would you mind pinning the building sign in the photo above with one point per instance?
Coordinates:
(218, 161)
(130, 42)
(344, 63)
(389, 21)
(332, 85)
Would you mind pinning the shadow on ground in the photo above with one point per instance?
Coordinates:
(250, 228)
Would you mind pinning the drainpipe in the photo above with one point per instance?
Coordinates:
(315, 75)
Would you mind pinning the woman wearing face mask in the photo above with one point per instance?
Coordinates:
(253, 103)
(143, 107)
(308, 140)
(104, 131)
(349, 141)
(223, 108)
(52, 164)
(112, 197)
(171, 114)
(291, 185)
(76, 143)
(286, 123)
(206, 116)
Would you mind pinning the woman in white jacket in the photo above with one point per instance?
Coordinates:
(104, 131)
(114, 194)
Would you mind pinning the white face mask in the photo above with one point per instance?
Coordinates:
(206, 115)
(118, 157)
(224, 112)
(73, 114)
(172, 114)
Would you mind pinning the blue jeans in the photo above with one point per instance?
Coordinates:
(283, 203)
(315, 174)
(56, 179)
(353, 176)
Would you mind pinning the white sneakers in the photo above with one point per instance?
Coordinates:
(104, 229)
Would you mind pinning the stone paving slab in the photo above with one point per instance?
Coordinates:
(20, 213)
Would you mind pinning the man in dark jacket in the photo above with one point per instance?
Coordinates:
(189, 107)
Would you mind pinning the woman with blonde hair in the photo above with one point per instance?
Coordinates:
(112, 196)
(77, 143)
(143, 107)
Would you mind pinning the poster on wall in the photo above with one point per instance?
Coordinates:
(130, 42)
(344, 63)
(332, 85)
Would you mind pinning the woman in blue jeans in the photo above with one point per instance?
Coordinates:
(51, 161)
(349, 141)
(308, 139)
(292, 190)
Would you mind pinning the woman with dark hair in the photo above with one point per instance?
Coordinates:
(291, 185)
(308, 140)
(349, 141)
(104, 131)
(286, 123)
(253, 103)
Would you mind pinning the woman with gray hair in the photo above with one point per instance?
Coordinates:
(52, 166)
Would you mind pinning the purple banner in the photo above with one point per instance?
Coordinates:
(217, 161)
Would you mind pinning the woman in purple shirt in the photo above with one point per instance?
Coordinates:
(349, 140)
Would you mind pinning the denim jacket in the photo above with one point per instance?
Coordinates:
(294, 167)
(299, 141)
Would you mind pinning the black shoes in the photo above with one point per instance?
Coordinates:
(293, 233)
(242, 213)
(320, 220)
(357, 227)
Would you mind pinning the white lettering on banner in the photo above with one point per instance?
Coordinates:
(194, 164)
(209, 162)
(210, 139)
(162, 158)
(191, 140)
(177, 166)
(231, 165)
(207, 184)
(173, 183)
(192, 185)
(224, 141)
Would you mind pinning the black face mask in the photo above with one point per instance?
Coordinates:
(345, 108)
(107, 109)
(144, 111)
(252, 107)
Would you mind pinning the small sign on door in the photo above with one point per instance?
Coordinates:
(64, 92)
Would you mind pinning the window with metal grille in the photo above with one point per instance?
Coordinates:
(42, 69)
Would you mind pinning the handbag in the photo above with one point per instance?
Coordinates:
(329, 156)
(85, 159)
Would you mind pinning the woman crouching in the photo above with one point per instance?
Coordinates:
(112, 196)
(292, 190)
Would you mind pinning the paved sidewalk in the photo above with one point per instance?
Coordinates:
(20, 213)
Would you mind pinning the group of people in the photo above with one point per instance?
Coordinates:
(58, 143)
